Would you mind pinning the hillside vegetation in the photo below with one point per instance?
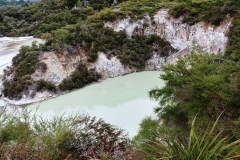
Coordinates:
(68, 25)
(26, 135)
(198, 88)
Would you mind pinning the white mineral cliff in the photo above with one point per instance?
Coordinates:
(58, 67)
(110, 67)
(183, 37)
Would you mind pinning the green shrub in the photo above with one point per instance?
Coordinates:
(79, 78)
(213, 12)
(41, 66)
(14, 131)
(200, 146)
(204, 84)
(148, 129)
(26, 135)
(232, 50)
(24, 64)
(179, 9)
(42, 84)
(92, 56)
(13, 88)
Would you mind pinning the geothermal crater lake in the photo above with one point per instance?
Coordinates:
(121, 101)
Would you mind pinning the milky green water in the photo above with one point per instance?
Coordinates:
(121, 101)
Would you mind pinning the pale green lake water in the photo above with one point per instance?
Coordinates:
(121, 101)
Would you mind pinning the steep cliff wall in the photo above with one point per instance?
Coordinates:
(183, 37)
(58, 67)
(110, 67)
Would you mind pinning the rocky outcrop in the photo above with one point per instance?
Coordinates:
(183, 37)
(59, 66)
(110, 67)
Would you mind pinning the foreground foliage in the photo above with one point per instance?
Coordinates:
(25, 135)
(204, 145)
(204, 84)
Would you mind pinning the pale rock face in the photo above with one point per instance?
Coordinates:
(155, 62)
(129, 27)
(110, 67)
(181, 36)
(58, 67)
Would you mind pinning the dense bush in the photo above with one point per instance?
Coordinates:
(205, 145)
(232, 50)
(45, 16)
(79, 78)
(134, 51)
(26, 52)
(42, 84)
(213, 12)
(25, 135)
(23, 65)
(13, 88)
(99, 5)
(200, 84)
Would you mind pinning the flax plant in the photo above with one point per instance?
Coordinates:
(203, 146)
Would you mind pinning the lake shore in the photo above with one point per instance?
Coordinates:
(10, 47)
(122, 101)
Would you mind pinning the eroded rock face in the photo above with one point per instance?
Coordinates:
(213, 39)
(183, 37)
(110, 67)
(58, 67)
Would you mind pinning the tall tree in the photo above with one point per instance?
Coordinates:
(200, 84)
